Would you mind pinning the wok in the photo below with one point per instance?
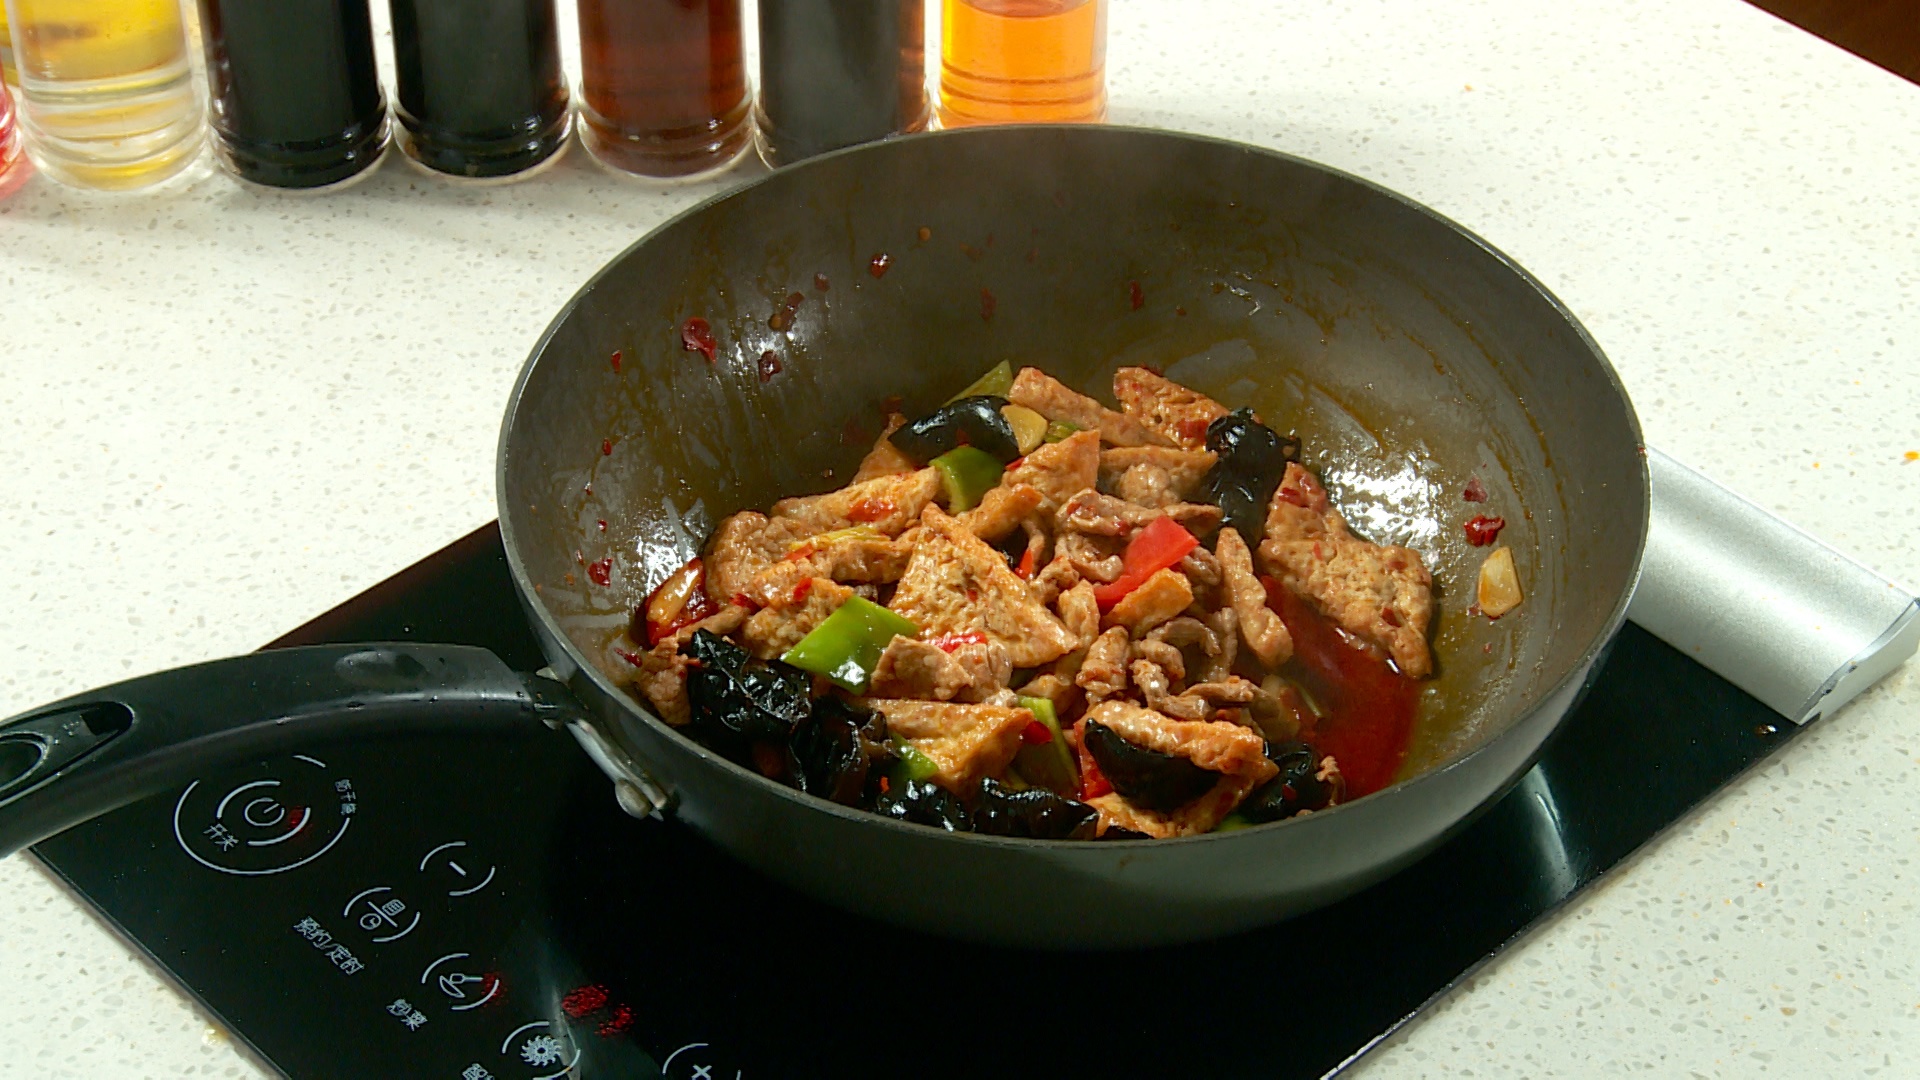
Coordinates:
(1410, 356)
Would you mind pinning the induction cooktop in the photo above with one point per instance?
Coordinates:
(467, 908)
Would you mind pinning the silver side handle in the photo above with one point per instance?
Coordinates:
(1763, 605)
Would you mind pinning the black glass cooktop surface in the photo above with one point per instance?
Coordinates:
(466, 908)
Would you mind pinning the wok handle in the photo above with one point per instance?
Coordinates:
(94, 752)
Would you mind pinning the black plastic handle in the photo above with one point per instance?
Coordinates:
(95, 752)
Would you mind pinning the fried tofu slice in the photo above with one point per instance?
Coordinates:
(955, 583)
(1382, 593)
(861, 557)
(743, 546)
(885, 459)
(1047, 396)
(887, 503)
(1189, 819)
(1174, 412)
(1158, 599)
(781, 624)
(965, 742)
(1001, 511)
(1059, 470)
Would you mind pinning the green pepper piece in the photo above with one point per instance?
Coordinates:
(914, 765)
(995, 383)
(848, 643)
(969, 473)
(1232, 823)
(1060, 429)
(1048, 764)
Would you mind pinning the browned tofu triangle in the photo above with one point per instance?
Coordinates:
(955, 584)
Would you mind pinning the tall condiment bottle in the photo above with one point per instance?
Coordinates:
(296, 96)
(835, 74)
(1023, 61)
(481, 93)
(106, 96)
(663, 85)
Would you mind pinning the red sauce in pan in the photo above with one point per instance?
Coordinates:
(1369, 706)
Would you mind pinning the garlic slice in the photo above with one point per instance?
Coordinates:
(1499, 588)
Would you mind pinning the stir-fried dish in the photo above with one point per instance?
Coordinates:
(1033, 615)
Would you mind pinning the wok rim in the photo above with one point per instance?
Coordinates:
(631, 707)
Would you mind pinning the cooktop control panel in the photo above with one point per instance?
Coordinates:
(387, 909)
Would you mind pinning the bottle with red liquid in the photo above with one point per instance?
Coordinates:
(663, 85)
(14, 168)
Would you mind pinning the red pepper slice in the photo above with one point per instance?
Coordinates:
(1160, 545)
(950, 642)
(1025, 569)
(871, 509)
(1092, 783)
(1036, 734)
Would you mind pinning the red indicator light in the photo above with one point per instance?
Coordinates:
(583, 1000)
(621, 1020)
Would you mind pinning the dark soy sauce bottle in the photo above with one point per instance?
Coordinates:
(296, 97)
(481, 92)
(835, 74)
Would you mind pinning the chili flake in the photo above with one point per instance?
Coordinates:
(1482, 530)
(601, 572)
(697, 336)
(879, 265)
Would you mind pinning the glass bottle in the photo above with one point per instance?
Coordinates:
(14, 168)
(664, 84)
(481, 93)
(7, 75)
(296, 97)
(106, 94)
(1014, 61)
(835, 74)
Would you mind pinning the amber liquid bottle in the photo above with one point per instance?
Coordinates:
(1023, 61)
(664, 85)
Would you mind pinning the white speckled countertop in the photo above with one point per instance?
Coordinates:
(225, 411)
